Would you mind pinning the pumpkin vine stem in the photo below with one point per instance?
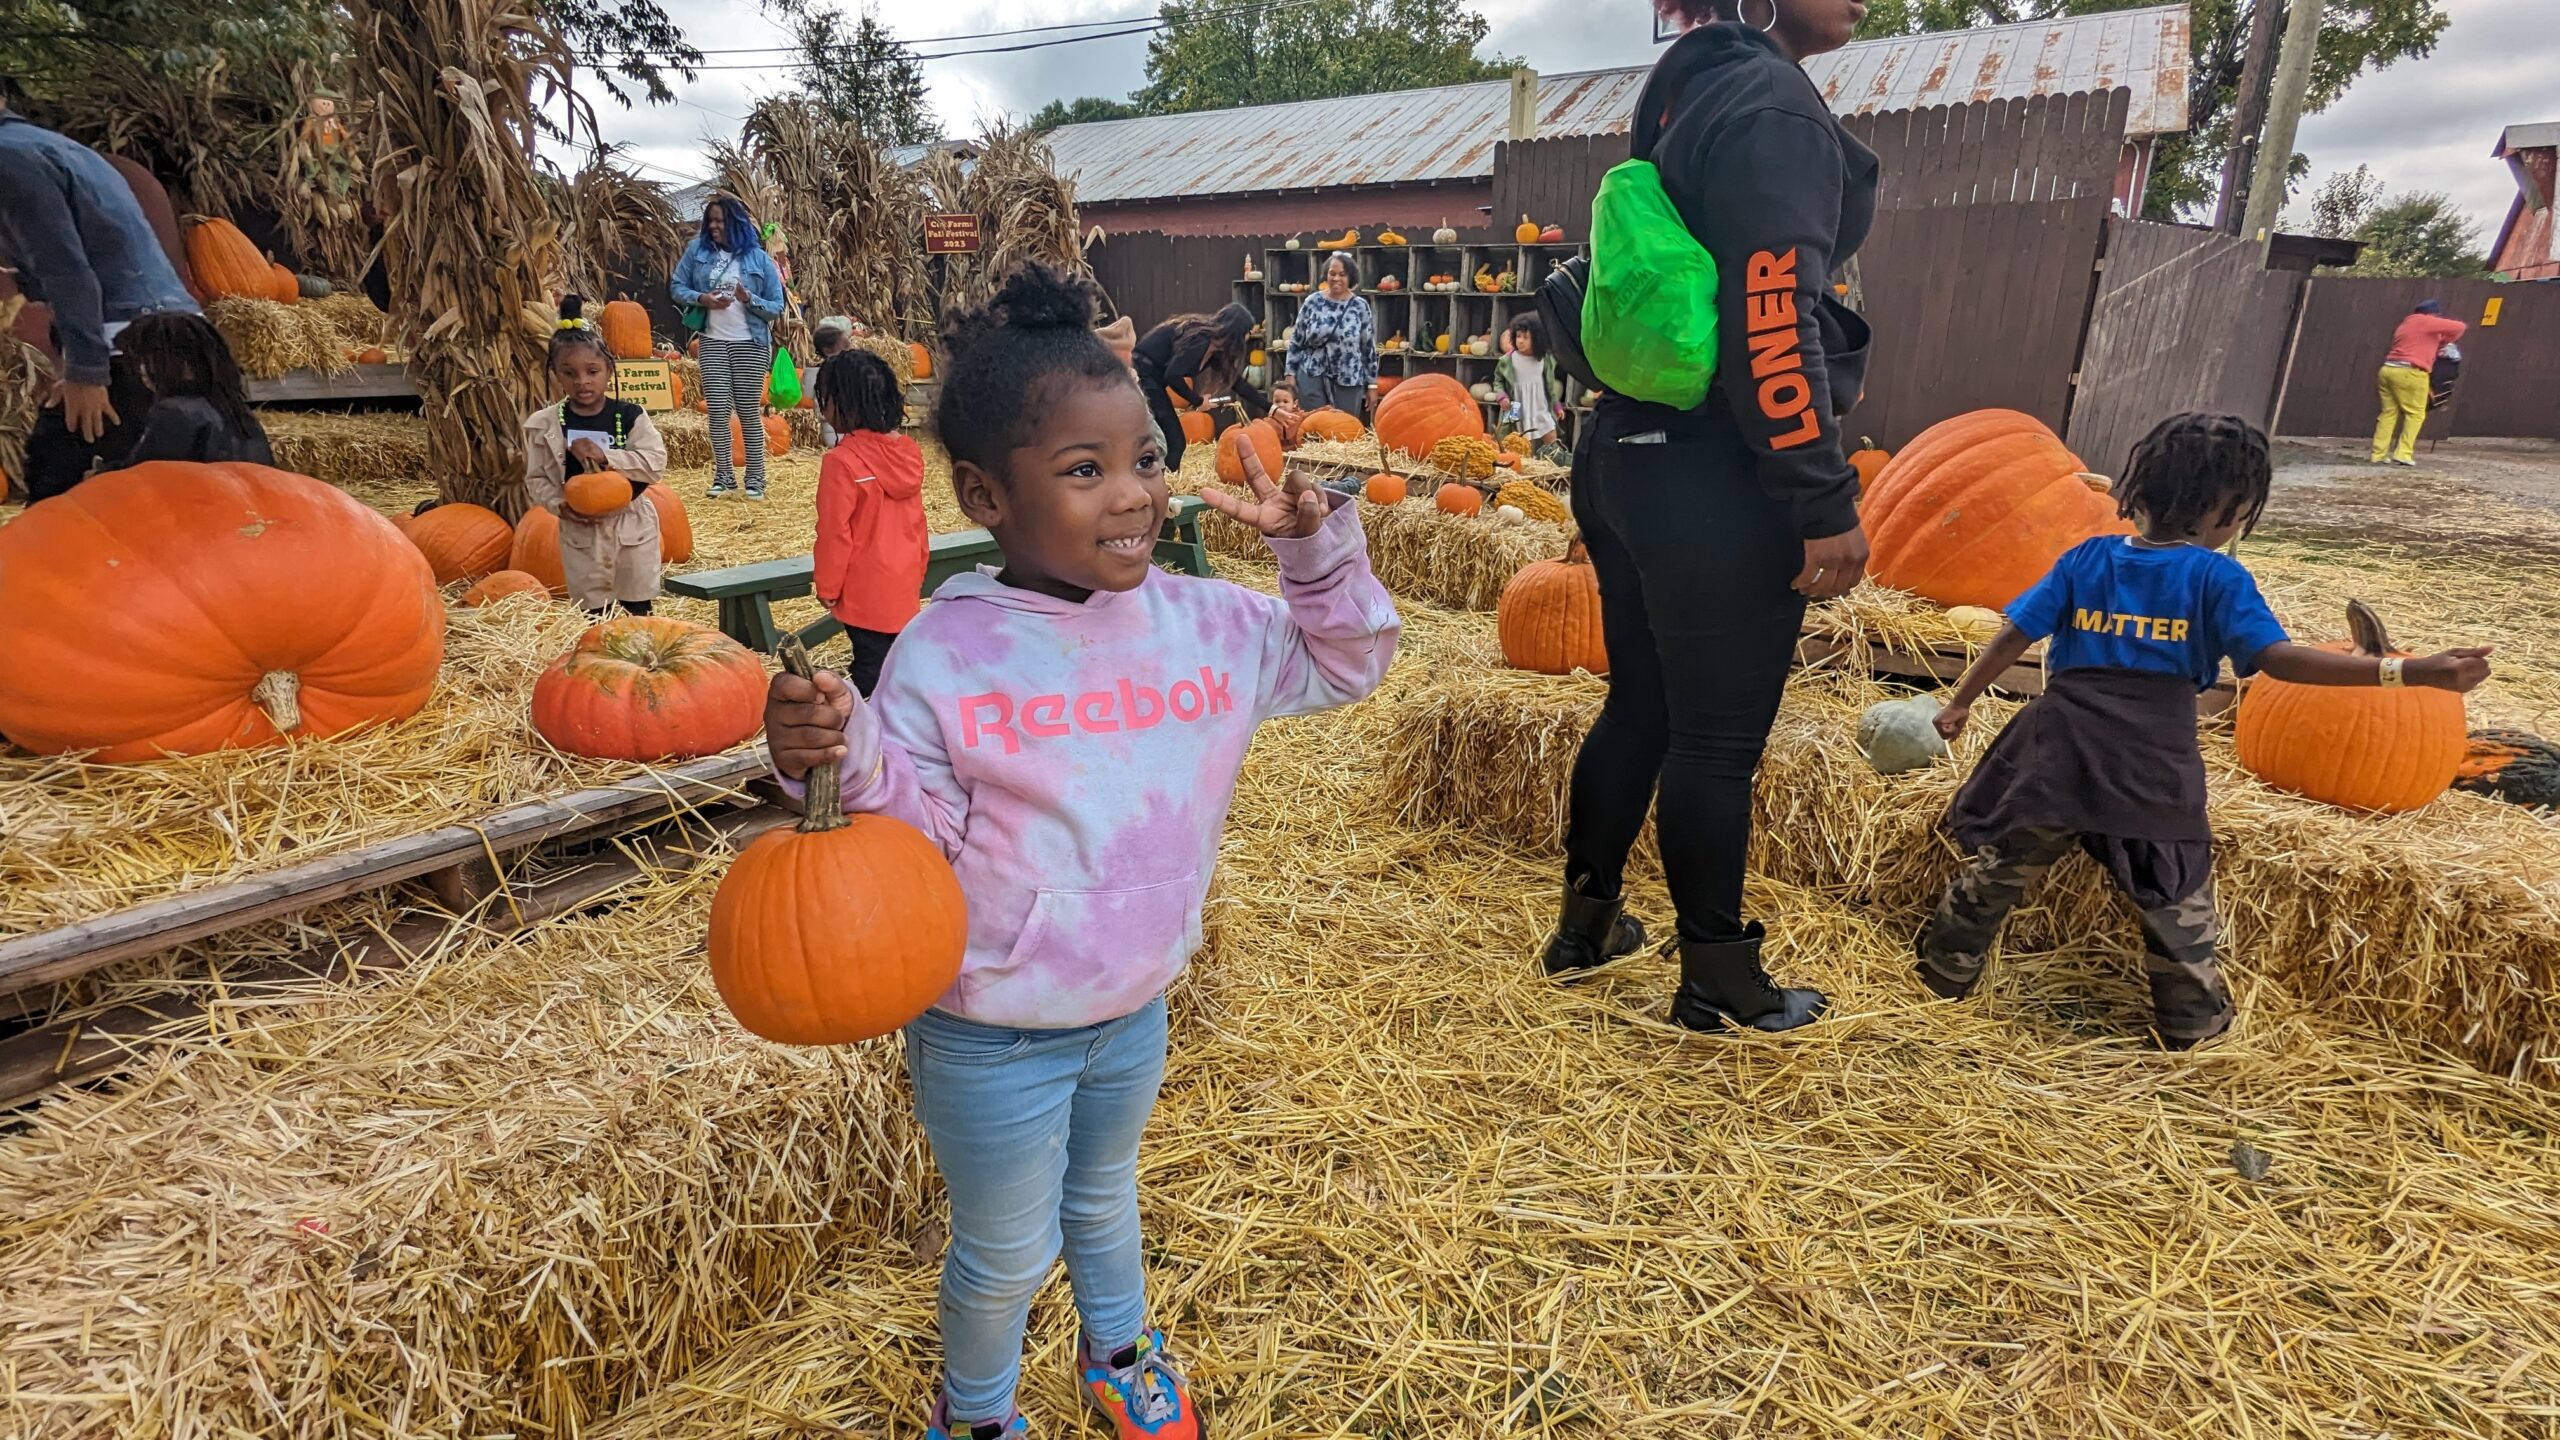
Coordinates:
(824, 808)
(279, 693)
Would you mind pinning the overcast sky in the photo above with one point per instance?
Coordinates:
(2425, 124)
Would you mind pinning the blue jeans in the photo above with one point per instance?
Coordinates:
(1036, 1135)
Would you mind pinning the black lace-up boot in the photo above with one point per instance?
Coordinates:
(1721, 983)
(1589, 934)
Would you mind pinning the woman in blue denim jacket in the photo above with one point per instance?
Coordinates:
(734, 294)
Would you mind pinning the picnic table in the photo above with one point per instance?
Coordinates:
(746, 593)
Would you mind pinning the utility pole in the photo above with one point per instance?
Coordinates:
(2249, 114)
(2284, 116)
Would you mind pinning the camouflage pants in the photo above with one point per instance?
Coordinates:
(2180, 939)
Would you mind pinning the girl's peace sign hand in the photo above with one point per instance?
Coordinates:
(1293, 509)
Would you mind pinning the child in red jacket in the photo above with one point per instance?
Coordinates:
(871, 528)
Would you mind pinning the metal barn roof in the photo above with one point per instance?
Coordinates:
(2526, 137)
(1448, 133)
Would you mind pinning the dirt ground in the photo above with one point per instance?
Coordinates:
(2325, 488)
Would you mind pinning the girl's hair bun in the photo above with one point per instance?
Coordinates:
(1032, 297)
(573, 308)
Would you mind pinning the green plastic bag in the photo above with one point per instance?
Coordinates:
(782, 388)
(1649, 312)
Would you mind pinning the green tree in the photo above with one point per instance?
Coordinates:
(2421, 234)
(2355, 36)
(1213, 55)
(2341, 205)
(1081, 111)
(864, 75)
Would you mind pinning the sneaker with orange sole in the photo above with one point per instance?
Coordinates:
(1141, 1392)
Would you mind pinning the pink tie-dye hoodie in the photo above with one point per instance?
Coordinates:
(1076, 760)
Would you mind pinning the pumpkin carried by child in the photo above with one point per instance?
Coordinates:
(2359, 747)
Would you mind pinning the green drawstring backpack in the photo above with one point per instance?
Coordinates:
(1649, 308)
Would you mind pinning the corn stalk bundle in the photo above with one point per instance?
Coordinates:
(25, 379)
(202, 128)
(469, 240)
(610, 220)
(1026, 211)
(321, 180)
(876, 229)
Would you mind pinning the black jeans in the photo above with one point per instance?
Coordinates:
(58, 459)
(1696, 564)
(1168, 420)
(870, 648)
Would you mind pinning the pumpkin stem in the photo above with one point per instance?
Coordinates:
(1574, 554)
(2097, 482)
(824, 808)
(279, 693)
(2366, 627)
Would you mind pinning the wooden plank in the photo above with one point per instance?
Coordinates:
(35, 1061)
(67, 950)
(361, 382)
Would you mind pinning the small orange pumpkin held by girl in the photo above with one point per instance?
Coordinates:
(842, 930)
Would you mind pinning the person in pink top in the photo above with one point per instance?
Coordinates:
(1069, 730)
(873, 540)
(2404, 380)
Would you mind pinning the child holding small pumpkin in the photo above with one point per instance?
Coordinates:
(1069, 731)
(1534, 386)
(588, 459)
(2106, 758)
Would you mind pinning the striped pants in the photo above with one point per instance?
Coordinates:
(734, 374)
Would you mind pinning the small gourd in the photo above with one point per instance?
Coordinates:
(1526, 232)
(1978, 622)
(1444, 235)
(1295, 243)
(1900, 735)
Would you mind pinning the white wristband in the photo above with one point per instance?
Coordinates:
(2391, 679)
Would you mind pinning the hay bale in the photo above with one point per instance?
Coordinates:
(351, 314)
(688, 436)
(362, 452)
(25, 379)
(508, 1190)
(892, 351)
(269, 338)
(2442, 926)
(1418, 552)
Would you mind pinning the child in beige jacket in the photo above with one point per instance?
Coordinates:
(609, 555)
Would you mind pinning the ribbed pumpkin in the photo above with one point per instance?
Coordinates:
(1535, 501)
(1976, 509)
(675, 528)
(1456, 499)
(1869, 462)
(281, 286)
(1197, 428)
(839, 931)
(1384, 488)
(625, 324)
(500, 584)
(224, 262)
(1425, 410)
(920, 360)
(1385, 383)
(777, 438)
(2360, 747)
(597, 493)
(2511, 765)
(183, 608)
(537, 550)
(644, 687)
(1548, 618)
(461, 542)
(1264, 437)
(1331, 424)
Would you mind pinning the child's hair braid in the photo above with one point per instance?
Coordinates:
(575, 334)
(1008, 356)
(858, 391)
(2196, 468)
(181, 354)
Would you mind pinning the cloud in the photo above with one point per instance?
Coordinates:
(2429, 124)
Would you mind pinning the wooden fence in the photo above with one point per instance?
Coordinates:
(2183, 319)
(1150, 275)
(2510, 370)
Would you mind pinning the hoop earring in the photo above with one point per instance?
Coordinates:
(1763, 29)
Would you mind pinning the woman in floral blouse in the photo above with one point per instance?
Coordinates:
(1333, 352)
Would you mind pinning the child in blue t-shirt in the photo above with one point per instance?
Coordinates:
(2106, 758)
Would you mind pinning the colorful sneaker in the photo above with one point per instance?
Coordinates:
(1140, 1392)
(755, 494)
(937, 1426)
(719, 491)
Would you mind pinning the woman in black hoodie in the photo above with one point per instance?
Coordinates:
(1195, 357)
(1711, 528)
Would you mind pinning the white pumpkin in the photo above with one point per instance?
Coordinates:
(1482, 391)
(1899, 735)
(1509, 514)
(1293, 242)
(1979, 623)
(1444, 235)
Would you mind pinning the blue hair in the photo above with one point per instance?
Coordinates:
(738, 233)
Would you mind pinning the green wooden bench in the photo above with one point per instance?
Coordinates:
(745, 593)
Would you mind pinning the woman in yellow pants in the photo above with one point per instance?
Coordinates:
(2404, 380)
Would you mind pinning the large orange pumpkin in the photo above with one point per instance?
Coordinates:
(1976, 509)
(596, 493)
(1331, 424)
(675, 528)
(281, 286)
(181, 608)
(499, 584)
(777, 438)
(1197, 428)
(644, 687)
(1425, 410)
(224, 262)
(1264, 437)
(842, 930)
(1548, 619)
(537, 550)
(461, 542)
(626, 329)
(1454, 498)
(2364, 748)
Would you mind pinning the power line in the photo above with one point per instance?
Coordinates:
(1134, 25)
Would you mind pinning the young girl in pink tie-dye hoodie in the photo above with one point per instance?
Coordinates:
(1069, 730)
